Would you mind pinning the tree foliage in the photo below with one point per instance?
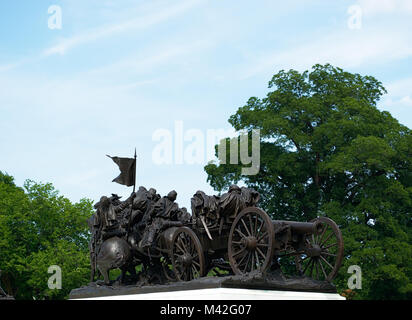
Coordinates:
(327, 150)
(40, 228)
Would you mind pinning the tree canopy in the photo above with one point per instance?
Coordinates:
(326, 150)
(40, 228)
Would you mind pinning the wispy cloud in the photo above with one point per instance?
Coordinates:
(138, 23)
(345, 49)
(155, 58)
(9, 66)
(150, 18)
(399, 95)
(400, 87)
(376, 7)
(15, 64)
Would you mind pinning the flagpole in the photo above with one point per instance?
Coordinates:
(135, 170)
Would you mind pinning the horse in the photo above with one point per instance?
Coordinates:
(115, 253)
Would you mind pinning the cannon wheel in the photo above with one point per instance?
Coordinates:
(251, 241)
(187, 255)
(325, 263)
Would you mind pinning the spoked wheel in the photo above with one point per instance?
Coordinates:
(324, 252)
(251, 241)
(187, 255)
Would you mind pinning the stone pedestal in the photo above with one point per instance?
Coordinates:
(249, 287)
(225, 294)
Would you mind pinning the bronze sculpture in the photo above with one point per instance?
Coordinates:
(235, 232)
(229, 232)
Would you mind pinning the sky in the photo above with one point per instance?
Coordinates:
(113, 73)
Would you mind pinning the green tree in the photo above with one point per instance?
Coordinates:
(327, 150)
(40, 228)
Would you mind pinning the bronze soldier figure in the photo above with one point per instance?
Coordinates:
(164, 215)
(184, 216)
(205, 208)
(106, 213)
(105, 223)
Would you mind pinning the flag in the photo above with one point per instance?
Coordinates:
(127, 168)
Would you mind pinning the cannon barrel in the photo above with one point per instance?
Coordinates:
(303, 227)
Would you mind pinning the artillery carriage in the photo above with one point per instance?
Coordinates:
(250, 241)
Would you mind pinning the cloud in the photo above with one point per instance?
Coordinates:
(379, 7)
(151, 17)
(138, 23)
(399, 93)
(10, 66)
(407, 100)
(155, 58)
(398, 101)
(345, 49)
(395, 102)
(400, 87)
